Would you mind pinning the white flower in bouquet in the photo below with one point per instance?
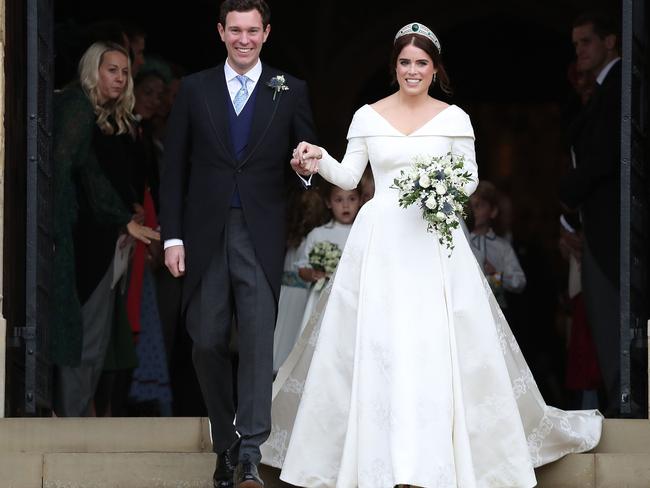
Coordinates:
(437, 185)
(431, 203)
(424, 181)
(325, 256)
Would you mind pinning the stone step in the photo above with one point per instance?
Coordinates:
(191, 434)
(21, 470)
(193, 470)
(596, 471)
(165, 452)
(109, 434)
(625, 436)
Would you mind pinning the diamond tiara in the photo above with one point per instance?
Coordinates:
(420, 29)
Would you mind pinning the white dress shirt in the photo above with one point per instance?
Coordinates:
(603, 73)
(233, 84)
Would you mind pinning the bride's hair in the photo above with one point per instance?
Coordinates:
(427, 46)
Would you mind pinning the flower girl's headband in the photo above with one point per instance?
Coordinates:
(420, 29)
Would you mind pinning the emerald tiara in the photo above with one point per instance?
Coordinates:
(420, 29)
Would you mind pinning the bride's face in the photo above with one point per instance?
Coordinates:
(414, 70)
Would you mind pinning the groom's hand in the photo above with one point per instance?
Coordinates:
(306, 157)
(295, 164)
(175, 260)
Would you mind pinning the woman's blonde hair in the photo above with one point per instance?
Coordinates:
(119, 111)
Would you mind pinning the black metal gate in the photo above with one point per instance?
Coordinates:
(31, 113)
(38, 205)
(634, 215)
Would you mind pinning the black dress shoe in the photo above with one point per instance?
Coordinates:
(224, 471)
(247, 476)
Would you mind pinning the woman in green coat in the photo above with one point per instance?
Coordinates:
(87, 115)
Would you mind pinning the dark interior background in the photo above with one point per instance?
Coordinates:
(508, 63)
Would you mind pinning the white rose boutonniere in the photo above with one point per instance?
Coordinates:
(278, 83)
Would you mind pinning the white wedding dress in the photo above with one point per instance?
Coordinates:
(407, 372)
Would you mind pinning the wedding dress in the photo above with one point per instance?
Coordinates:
(407, 372)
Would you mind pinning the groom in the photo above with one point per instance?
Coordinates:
(223, 187)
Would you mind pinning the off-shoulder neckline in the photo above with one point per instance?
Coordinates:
(416, 130)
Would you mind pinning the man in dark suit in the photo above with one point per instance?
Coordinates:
(593, 187)
(222, 194)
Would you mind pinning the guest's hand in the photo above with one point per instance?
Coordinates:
(306, 157)
(141, 232)
(175, 260)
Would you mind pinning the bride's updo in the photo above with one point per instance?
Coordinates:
(424, 41)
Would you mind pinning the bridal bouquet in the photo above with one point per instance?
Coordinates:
(324, 256)
(437, 185)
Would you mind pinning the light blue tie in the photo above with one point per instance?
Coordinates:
(242, 94)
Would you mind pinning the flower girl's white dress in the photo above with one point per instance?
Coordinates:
(298, 298)
(408, 372)
(334, 232)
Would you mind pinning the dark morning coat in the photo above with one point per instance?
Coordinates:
(594, 186)
(200, 169)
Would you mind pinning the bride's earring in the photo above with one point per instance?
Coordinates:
(435, 77)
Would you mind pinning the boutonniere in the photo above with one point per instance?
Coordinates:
(278, 83)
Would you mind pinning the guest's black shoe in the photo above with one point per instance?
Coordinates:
(247, 476)
(224, 471)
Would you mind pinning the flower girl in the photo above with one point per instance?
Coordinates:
(306, 212)
(343, 205)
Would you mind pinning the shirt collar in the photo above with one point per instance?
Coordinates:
(252, 74)
(476, 239)
(603, 73)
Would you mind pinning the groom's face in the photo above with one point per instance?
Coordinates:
(243, 36)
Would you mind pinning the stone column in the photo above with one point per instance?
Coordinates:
(3, 323)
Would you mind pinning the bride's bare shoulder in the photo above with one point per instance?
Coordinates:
(438, 104)
(383, 104)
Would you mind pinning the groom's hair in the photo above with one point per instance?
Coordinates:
(245, 6)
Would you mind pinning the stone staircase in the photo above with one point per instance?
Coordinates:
(175, 453)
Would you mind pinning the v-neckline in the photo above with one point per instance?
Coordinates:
(414, 131)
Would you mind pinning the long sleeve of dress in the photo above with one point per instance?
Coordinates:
(347, 173)
(106, 204)
(465, 146)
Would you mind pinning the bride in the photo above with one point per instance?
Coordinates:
(408, 372)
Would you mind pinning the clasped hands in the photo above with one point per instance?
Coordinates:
(305, 158)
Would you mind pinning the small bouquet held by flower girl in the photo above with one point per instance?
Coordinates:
(324, 256)
(437, 185)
